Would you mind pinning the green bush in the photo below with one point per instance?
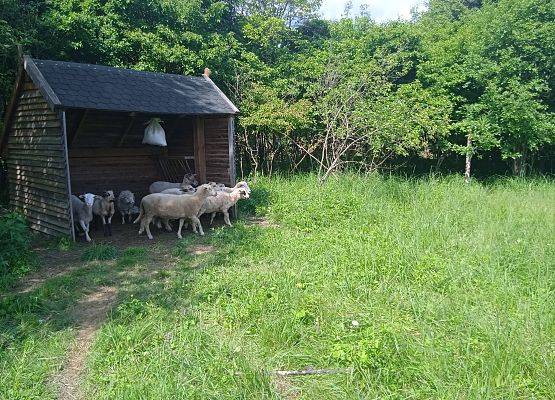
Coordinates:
(15, 242)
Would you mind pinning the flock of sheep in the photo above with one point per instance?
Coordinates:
(185, 201)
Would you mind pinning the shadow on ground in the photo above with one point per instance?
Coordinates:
(68, 294)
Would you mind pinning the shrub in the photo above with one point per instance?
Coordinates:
(15, 243)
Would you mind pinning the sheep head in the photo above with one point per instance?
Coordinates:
(127, 197)
(244, 193)
(109, 195)
(189, 179)
(185, 188)
(206, 190)
(88, 198)
(244, 185)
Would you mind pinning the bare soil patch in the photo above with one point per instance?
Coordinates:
(89, 313)
(53, 263)
(199, 249)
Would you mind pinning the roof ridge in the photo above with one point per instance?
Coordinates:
(110, 67)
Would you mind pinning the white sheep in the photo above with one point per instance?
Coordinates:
(188, 189)
(159, 186)
(216, 185)
(175, 191)
(82, 212)
(104, 208)
(222, 202)
(125, 203)
(238, 185)
(168, 206)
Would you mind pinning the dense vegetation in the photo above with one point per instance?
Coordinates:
(423, 288)
(470, 78)
(15, 242)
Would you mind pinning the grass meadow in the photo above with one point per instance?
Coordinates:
(407, 288)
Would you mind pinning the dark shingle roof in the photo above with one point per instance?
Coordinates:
(74, 85)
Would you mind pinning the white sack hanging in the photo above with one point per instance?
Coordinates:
(154, 133)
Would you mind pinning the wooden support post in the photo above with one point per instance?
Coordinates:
(231, 147)
(200, 154)
(231, 144)
(62, 116)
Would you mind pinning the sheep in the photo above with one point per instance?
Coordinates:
(82, 211)
(104, 207)
(238, 185)
(125, 203)
(175, 191)
(222, 202)
(168, 206)
(188, 189)
(159, 186)
(216, 185)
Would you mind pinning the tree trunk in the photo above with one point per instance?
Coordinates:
(468, 162)
(520, 164)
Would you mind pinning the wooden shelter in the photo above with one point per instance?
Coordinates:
(76, 128)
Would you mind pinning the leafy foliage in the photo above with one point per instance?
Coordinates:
(15, 242)
(465, 77)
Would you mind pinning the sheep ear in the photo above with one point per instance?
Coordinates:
(81, 196)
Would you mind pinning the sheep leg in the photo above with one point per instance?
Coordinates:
(226, 217)
(196, 222)
(147, 227)
(158, 223)
(104, 229)
(212, 216)
(110, 224)
(167, 225)
(85, 229)
(123, 218)
(141, 227)
(181, 220)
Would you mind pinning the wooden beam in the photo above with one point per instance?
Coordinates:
(231, 147)
(231, 144)
(42, 84)
(77, 129)
(11, 106)
(200, 153)
(66, 159)
(126, 130)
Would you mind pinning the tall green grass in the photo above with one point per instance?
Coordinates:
(426, 288)
(16, 258)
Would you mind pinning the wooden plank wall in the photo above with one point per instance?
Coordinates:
(107, 151)
(36, 164)
(216, 144)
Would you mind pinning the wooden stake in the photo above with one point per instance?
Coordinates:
(311, 371)
(468, 161)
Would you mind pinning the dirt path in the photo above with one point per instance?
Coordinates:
(90, 312)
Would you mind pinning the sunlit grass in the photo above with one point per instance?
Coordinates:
(424, 288)
(450, 288)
